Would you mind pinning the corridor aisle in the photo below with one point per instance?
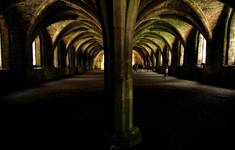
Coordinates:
(66, 113)
(175, 114)
(172, 114)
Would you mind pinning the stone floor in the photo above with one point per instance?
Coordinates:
(176, 114)
(172, 114)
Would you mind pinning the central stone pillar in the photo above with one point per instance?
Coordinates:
(118, 21)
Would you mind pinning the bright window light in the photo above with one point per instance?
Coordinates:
(133, 59)
(204, 51)
(102, 63)
(181, 54)
(169, 58)
(34, 53)
(201, 50)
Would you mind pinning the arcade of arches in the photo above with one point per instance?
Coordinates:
(43, 40)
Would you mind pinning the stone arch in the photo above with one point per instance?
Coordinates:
(98, 58)
(78, 37)
(157, 36)
(190, 14)
(139, 59)
(91, 47)
(46, 6)
(147, 40)
(77, 27)
(71, 12)
(141, 50)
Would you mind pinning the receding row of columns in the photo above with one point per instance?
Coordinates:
(118, 21)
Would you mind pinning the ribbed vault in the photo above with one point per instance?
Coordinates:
(159, 23)
(44, 40)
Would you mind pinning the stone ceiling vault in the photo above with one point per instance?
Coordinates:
(79, 23)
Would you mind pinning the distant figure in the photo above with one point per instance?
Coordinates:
(148, 67)
(166, 72)
(135, 67)
(151, 67)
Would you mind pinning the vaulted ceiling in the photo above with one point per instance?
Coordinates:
(78, 23)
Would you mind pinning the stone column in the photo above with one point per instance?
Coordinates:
(175, 54)
(165, 56)
(46, 49)
(118, 20)
(153, 60)
(62, 55)
(80, 61)
(217, 56)
(158, 58)
(17, 48)
(191, 50)
(85, 61)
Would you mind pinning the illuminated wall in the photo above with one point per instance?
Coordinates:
(56, 57)
(231, 51)
(169, 58)
(181, 55)
(102, 63)
(160, 60)
(201, 59)
(36, 52)
(136, 58)
(133, 58)
(99, 61)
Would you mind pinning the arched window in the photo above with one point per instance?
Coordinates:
(99, 61)
(231, 49)
(169, 58)
(133, 59)
(56, 57)
(181, 54)
(37, 52)
(160, 60)
(201, 55)
(102, 62)
(231, 52)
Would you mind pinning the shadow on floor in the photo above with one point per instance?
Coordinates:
(172, 114)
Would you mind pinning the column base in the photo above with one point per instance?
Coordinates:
(129, 139)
